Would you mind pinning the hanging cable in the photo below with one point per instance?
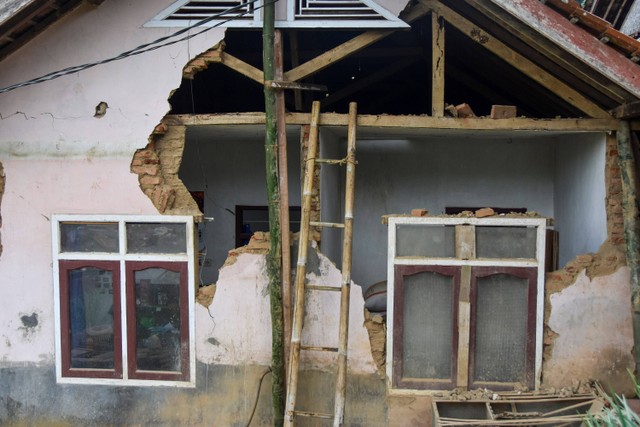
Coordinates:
(147, 47)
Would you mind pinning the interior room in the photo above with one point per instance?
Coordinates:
(557, 175)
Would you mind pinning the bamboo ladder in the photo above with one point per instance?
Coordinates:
(298, 312)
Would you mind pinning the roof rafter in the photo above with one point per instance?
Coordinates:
(518, 61)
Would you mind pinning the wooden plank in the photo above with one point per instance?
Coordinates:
(408, 122)
(464, 325)
(242, 67)
(283, 188)
(280, 84)
(437, 65)
(628, 172)
(465, 242)
(347, 48)
(336, 54)
(629, 110)
(518, 61)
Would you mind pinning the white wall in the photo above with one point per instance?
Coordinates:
(58, 158)
(579, 198)
(56, 117)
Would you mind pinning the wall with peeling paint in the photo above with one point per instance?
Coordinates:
(592, 320)
(34, 190)
(56, 118)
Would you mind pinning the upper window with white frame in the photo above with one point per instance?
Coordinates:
(124, 299)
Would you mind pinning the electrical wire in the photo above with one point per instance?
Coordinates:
(255, 404)
(144, 48)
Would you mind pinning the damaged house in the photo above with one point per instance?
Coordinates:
(495, 225)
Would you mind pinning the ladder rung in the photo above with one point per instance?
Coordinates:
(313, 348)
(326, 224)
(314, 414)
(332, 161)
(323, 288)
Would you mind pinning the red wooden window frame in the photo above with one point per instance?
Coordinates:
(134, 373)
(531, 275)
(65, 267)
(401, 271)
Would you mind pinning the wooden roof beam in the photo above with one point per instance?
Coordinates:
(518, 61)
(346, 49)
(408, 122)
(367, 81)
(629, 110)
(551, 51)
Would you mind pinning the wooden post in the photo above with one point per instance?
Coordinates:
(437, 66)
(284, 195)
(631, 228)
(273, 200)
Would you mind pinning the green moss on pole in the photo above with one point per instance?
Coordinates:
(274, 269)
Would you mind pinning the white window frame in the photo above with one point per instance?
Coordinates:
(393, 260)
(122, 257)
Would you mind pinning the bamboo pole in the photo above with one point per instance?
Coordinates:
(341, 381)
(273, 196)
(284, 195)
(631, 228)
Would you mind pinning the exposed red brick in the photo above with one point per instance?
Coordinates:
(145, 169)
(150, 180)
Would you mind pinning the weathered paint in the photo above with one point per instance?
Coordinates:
(235, 329)
(56, 118)
(225, 396)
(575, 40)
(36, 189)
(592, 318)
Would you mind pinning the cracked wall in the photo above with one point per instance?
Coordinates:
(588, 330)
(157, 166)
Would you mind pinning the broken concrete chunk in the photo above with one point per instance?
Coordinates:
(484, 212)
(419, 212)
(503, 111)
(451, 110)
(464, 110)
(206, 294)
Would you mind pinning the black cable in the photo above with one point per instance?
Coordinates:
(147, 47)
(255, 404)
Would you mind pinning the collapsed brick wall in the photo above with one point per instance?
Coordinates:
(610, 256)
(157, 166)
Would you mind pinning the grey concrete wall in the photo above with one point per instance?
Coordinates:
(225, 396)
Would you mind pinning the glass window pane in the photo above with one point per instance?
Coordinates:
(427, 326)
(157, 319)
(165, 238)
(91, 318)
(506, 242)
(89, 237)
(425, 240)
(501, 328)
